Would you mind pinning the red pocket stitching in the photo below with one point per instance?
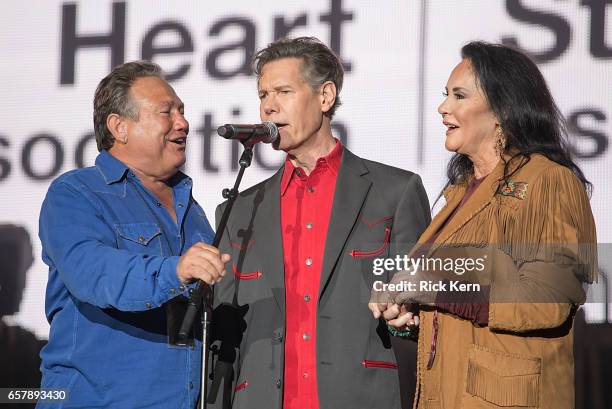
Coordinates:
(242, 386)
(374, 253)
(377, 222)
(246, 276)
(378, 364)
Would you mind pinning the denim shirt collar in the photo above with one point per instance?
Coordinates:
(111, 168)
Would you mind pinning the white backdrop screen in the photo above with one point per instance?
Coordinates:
(398, 55)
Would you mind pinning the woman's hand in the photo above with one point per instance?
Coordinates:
(405, 318)
(396, 315)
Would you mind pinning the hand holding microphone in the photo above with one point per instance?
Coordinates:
(202, 262)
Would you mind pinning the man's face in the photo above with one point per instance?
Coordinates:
(156, 142)
(290, 102)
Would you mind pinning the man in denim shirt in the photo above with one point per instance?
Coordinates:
(124, 240)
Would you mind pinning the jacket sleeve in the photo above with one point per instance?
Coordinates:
(224, 290)
(227, 327)
(411, 217)
(80, 246)
(549, 254)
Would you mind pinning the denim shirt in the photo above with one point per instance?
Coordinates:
(112, 251)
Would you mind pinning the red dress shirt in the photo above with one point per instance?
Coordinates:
(306, 203)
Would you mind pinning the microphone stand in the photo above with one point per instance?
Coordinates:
(202, 296)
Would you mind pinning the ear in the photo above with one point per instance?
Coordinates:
(327, 96)
(117, 126)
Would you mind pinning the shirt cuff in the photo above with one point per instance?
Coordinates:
(168, 282)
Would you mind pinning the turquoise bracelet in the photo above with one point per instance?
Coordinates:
(410, 332)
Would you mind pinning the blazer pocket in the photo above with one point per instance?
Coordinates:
(378, 364)
(374, 252)
(254, 275)
(503, 379)
(242, 247)
(373, 223)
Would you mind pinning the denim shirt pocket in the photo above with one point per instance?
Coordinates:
(139, 237)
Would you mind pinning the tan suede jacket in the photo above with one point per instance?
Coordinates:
(543, 234)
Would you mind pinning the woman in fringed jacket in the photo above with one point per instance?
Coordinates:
(517, 205)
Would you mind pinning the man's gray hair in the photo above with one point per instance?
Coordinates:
(319, 63)
(113, 97)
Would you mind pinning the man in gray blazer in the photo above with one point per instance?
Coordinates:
(291, 326)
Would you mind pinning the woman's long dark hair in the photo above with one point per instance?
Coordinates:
(518, 95)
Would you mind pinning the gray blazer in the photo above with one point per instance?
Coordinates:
(377, 210)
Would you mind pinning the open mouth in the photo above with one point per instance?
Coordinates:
(280, 125)
(180, 141)
(450, 126)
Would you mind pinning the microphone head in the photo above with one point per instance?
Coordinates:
(225, 131)
(273, 131)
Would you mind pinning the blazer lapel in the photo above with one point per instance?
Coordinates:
(452, 197)
(268, 227)
(349, 196)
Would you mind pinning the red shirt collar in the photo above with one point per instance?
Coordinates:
(331, 161)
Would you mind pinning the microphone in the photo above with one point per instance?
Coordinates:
(265, 132)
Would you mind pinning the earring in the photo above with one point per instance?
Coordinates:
(500, 141)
